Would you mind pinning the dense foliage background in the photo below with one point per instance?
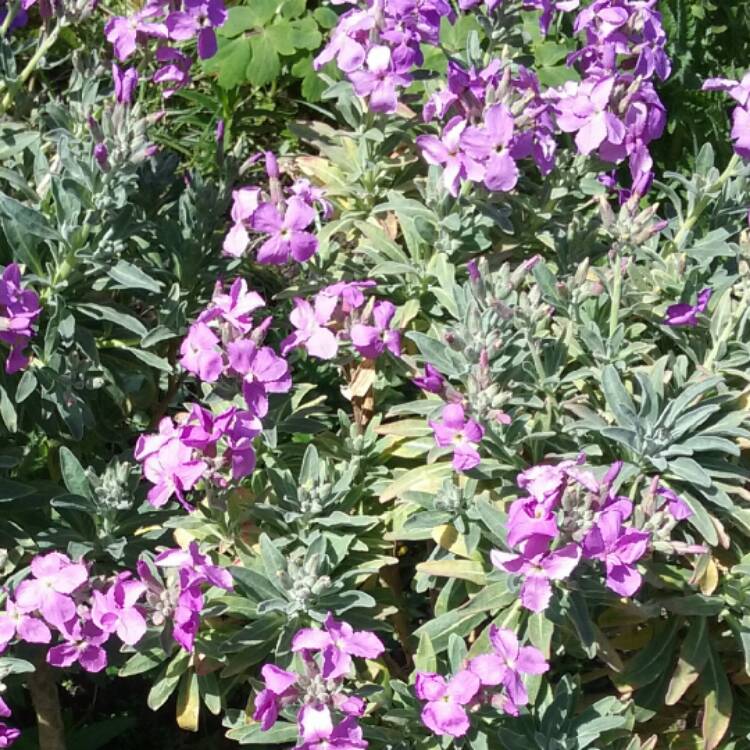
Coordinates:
(118, 216)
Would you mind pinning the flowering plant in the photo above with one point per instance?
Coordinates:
(372, 379)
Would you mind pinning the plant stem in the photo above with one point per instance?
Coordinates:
(9, 18)
(702, 204)
(614, 307)
(43, 689)
(26, 73)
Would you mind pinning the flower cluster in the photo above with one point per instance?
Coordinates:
(337, 314)
(216, 448)
(497, 118)
(494, 679)
(740, 92)
(568, 515)
(60, 601)
(203, 447)
(19, 310)
(175, 599)
(165, 24)
(378, 46)
(614, 109)
(283, 222)
(326, 713)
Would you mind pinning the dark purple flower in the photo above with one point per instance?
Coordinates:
(683, 314)
(432, 381)
(199, 18)
(126, 82)
(175, 71)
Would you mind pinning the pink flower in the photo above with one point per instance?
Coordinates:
(310, 322)
(55, 577)
(201, 353)
(83, 645)
(538, 567)
(245, 202)
(262, 371)
(505, 666)
(432, 381)
(14, 623)
(459, 433)
(318, 732)
(445, 711)
(338, 642)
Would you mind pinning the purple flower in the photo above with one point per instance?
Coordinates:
(126, 82)
(583, 109)
(538, 566)
(55, 578)
(201, 353)
(311, 322)
(452, 152)
(505, 666)
(379, 80)
(445, 711)
(26, 627)
(175, 71)
(676, 506)
(619, 549)
(279, 690)
(245, 202)
(124, 33)
(8, 735)
(313, 196)
(683, 314)
(338, 642)
(168, 464)
(19, 310)
(459, 433)
(432, 381)
(115, 610)
(262, 371)
(288, 238)
(372, 341)
(197, 564)
(318, 732)
(350, 293)
(235, 308)
(83, 644)
(199, 18)
(494, 141)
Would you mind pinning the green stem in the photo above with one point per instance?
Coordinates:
(614, 307)
(12, 13)
(702, 204)
(27, 72)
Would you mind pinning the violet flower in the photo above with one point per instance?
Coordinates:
(432, 381)
(245, 202)
(459, 433)
(8, 735)
(262, 371)
(199, 18)
(506, 665)
(676, 506)
(175, 71)
(458, 159)
(311, 323)
(338, 642)
(538, 566)
(683, 314)
(126, 83)
(372, 341)
(279, 690)
(55, 578)
(17, 624)
(288, 236)
(445, 710)
(83, 645)
(201, 353)
(378, 80)
(124, 32)
(493, 140)
(619, 549)
(318, 732)
(19, 310)
(115, 610)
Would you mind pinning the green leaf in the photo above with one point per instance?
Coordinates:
(129, 276)
(305, 34)
(648, 664)
(693, 656)
(718, 701)
(73, 474)
(252, 734)
(231, 62)
(425, 659)
(618, 399)
(265, 64)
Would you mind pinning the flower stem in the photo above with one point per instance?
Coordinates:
(46, 700)
(614, 307)
(27, 72)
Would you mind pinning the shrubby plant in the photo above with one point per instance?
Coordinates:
(416, 421)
